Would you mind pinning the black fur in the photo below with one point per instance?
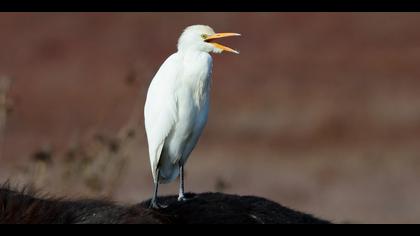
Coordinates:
(218, 208)
(25, 207)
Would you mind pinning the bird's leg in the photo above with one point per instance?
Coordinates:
(181, 197)
(154, 204)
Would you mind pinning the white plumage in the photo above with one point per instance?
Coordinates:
(177, 104)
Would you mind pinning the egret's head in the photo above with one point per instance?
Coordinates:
(202, 37)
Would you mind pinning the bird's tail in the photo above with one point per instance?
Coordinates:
(168, 171)
(154, 160)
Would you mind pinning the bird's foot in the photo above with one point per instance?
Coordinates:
(155, 205)
(182, 198)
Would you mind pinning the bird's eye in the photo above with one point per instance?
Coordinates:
(204, 36)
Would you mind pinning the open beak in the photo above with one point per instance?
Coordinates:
(210, 39)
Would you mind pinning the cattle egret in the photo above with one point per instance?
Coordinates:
(177, 104)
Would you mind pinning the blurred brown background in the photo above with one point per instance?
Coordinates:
(319, 112)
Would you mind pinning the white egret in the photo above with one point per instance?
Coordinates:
(177, 104)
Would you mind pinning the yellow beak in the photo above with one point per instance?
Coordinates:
(210, 38)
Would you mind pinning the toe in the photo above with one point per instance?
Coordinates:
(182, 199)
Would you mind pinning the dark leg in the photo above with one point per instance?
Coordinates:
(181, 196)
(154, 204)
